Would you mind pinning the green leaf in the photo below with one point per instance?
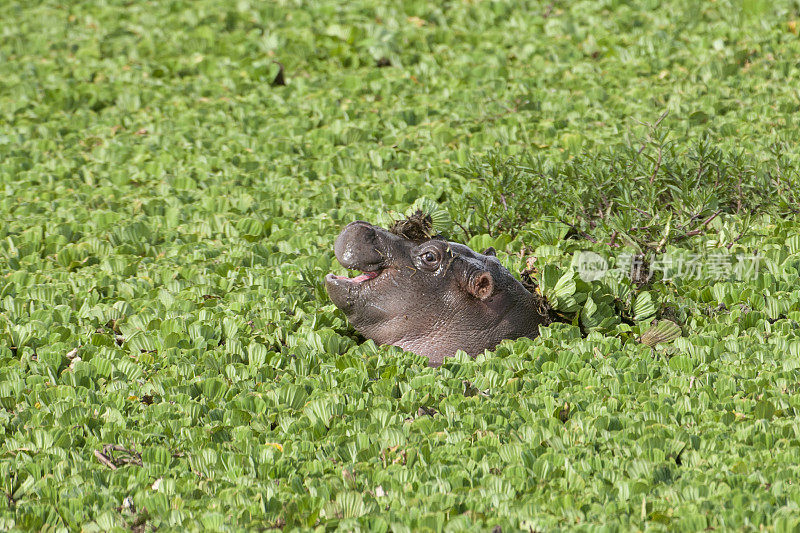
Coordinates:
(643, 307)
(589, 314)
(764, 410)
(565, 286)
(681, 363)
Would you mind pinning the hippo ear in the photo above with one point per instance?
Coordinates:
(489, 251)
(481, 286)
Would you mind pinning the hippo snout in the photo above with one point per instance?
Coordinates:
(360, 246)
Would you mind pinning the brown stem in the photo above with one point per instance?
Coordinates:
(705, 223)
(734, 241)
(658, 162)
(583, 233)
(613, 238)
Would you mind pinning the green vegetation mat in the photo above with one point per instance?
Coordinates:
(172, 177)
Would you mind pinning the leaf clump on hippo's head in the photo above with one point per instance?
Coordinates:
(418, 226)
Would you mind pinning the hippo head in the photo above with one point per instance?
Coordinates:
(427, 295)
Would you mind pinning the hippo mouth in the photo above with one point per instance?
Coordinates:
(361, 278)
(347, 292)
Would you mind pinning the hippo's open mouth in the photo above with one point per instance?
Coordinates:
(366, 276)
(345, 291)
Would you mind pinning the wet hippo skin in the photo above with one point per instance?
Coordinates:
(429, 296)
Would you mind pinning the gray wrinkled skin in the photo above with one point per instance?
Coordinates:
(431, 298)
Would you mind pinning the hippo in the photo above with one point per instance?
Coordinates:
(428, 295)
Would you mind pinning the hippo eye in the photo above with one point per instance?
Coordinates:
(430, 257)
